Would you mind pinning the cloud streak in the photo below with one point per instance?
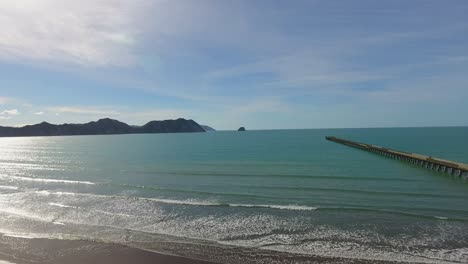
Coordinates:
(8, 114)
(11, 112)
(224, 62)
(83, 110)
(87, 33)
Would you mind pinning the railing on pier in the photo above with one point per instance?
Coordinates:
(446, 166)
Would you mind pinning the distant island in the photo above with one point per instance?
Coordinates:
(241, 129)
(105, 126)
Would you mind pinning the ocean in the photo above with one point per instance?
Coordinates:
(235, 197)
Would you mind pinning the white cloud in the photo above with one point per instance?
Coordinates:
(83, 110)
(302, 69)
(12, 112)
(142, 117)
(86, 32)
(125, 114)
(8, 114)
(39, 113)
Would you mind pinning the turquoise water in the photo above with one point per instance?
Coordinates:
(290, 191)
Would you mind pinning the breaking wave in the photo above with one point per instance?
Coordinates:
(50, 180)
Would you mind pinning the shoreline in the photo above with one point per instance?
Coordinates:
(20, 250)
(14, 250)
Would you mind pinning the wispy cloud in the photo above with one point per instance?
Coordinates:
(11, 112)
(224, 62)
(259, 105)
(88, 32)
(307, 69)
(8, 114)
(83, 110)
(438, 89)
(141, 117)
(130, 115)
(64, 114)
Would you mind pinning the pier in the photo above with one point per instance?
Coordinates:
(440, 165)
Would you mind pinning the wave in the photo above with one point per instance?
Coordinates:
(8, 187)
(271, 175)
(190, 202)
(371, 192)
(27, 236)
(389, 211)
(61, 205)
(210, 203)
(50, 180)
(45, 192)
(183, 202)
(291, 207)
(211, 193)
(273, 206)
(250, 195)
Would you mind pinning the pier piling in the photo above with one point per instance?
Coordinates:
(436, 164)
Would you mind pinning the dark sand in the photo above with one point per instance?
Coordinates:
(51, 251)
(14, 250)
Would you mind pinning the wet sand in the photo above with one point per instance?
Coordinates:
(51, 251)
(20, 250)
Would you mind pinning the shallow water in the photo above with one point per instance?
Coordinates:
(285, 190)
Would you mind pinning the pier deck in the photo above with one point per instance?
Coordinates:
(446, 166)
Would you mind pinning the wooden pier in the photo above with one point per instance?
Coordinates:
(440, 165)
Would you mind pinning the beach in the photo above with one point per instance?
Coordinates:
(261, 197)
(54, 251)
(233, 132)
(14, 250)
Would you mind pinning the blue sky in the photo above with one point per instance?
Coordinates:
(259, 64)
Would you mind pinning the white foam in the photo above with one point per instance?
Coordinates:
(44, 192)
(213, 227)
(192, 202)
(456, 255)
(8, 187)
(20, 236)
(6, 262)
(61, 205)
(64, 193)
(441, 217)
(50, 180)
(281, 207)
(184, 202)
(342, 250)
(210, 203)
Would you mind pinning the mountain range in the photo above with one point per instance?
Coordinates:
(105, 126)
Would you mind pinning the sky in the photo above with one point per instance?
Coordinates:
(230, 63)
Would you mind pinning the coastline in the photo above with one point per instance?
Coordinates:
(224, 200)
(20, 250)
(16, 250)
